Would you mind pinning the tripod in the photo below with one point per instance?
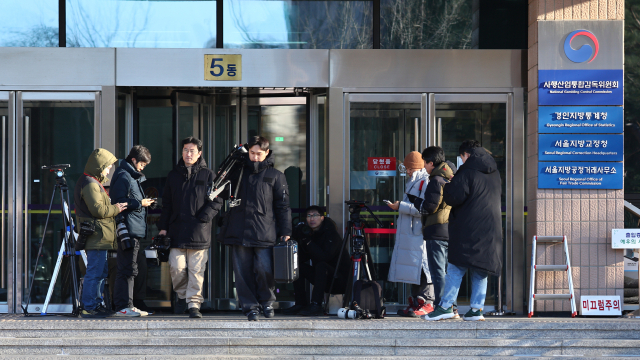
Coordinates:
(66, 248)
(361, 260)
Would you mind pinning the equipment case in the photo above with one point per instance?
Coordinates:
(285, 262)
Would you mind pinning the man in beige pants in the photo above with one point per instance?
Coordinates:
(186, 219)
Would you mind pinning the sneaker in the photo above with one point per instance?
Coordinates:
(142, 312)
(103, 310)
(269, 312)
(194, 313)
(92, 314)
(410, 310)
(140, 305)
(473, 315)
(127, 312)
(439, 313)
(294, 310)
(423, 308)
(253, 316)
(314, 309)
(180, 307)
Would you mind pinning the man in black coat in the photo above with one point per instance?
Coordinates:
(259, 213)
(186, 219)
(475, 229)
(318, 241)
(126, 187)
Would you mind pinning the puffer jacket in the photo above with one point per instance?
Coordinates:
(475, 222)
(436, 210)
(186, 210)
(126, 187)
(92, 202)
(264, 213)
(409, 256)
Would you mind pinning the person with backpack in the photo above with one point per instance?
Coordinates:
(409, 263)
(435, 215)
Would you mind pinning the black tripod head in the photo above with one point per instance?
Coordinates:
(356, 224)
(356, 206)
(58, 170)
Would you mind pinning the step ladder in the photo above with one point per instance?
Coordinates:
(567, 267)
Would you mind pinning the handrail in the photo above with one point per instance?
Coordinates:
(629, 206)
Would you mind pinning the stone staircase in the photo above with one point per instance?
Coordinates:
(229, 336)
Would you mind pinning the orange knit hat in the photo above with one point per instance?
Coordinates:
(413, 160)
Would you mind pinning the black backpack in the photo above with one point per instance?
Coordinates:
(368, 295)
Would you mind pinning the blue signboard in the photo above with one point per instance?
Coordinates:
(580, 119)
(578, 147)
(580, 87)
(577, 175)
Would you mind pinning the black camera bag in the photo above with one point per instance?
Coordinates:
(285, 262)
(368, 295)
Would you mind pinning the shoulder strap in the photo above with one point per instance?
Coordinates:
(82, 206)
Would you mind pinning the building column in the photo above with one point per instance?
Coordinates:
(586, 217)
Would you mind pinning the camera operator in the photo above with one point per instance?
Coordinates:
(93, 205)
(318, 241)
(186, 218)
(126, 187)
(259, 212)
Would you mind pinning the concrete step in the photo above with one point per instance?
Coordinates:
(277, 347)
(303, 357)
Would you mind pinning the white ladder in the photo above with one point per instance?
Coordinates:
(567, 267)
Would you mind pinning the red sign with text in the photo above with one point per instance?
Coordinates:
(381, 166)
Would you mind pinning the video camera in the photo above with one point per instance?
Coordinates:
(356, 313)
(224, 170)
(158, 251)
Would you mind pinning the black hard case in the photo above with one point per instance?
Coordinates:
(285, 262)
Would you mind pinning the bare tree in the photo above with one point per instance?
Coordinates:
(40, 35)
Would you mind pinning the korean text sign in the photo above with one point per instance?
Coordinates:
(580, 87)
(223, 67)
(603, 305)
(580, 175)
(580, 119)
(625, 238)
(579, 147)
(381, 166)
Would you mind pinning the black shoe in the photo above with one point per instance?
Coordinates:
(294, 310)
(194, 312)
(104, 311)
(312, 310)
(253, 316)
(269, 312)
(180, 307)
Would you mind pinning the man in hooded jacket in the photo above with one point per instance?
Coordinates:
(259, 214)
(93, 205)
(186, 219)
(475, 229)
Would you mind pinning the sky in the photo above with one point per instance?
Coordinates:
(127, 23)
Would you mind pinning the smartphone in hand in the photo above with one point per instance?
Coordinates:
(387, 202)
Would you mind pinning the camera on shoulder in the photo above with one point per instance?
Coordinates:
(87, 228)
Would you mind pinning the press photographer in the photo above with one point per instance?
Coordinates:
(318, 241)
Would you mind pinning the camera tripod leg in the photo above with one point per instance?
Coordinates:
(44, 233)
(335, 272)
(71, 251)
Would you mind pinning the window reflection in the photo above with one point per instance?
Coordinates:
(141, 24)
(426, 24)
(32, 23)
(298, 24)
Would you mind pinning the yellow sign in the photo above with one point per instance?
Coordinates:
(223, 67)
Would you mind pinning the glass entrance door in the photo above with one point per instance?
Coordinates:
(4, 246)
(483, 118)
(383, 129)
(53, 128)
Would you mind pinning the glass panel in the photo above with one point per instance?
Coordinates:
(322, 150)
(430, 24)
(29, 23)
(381, 130)
(50, 142)
(121, 128)
(155, 131)
(186, 126)
(141, 24)
(486, 123)
(4, 123)
(298, 24)
(285, 126)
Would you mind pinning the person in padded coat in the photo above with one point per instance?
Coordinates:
(475, 229)
(186, 219)
(259, 213)
(409, 261)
